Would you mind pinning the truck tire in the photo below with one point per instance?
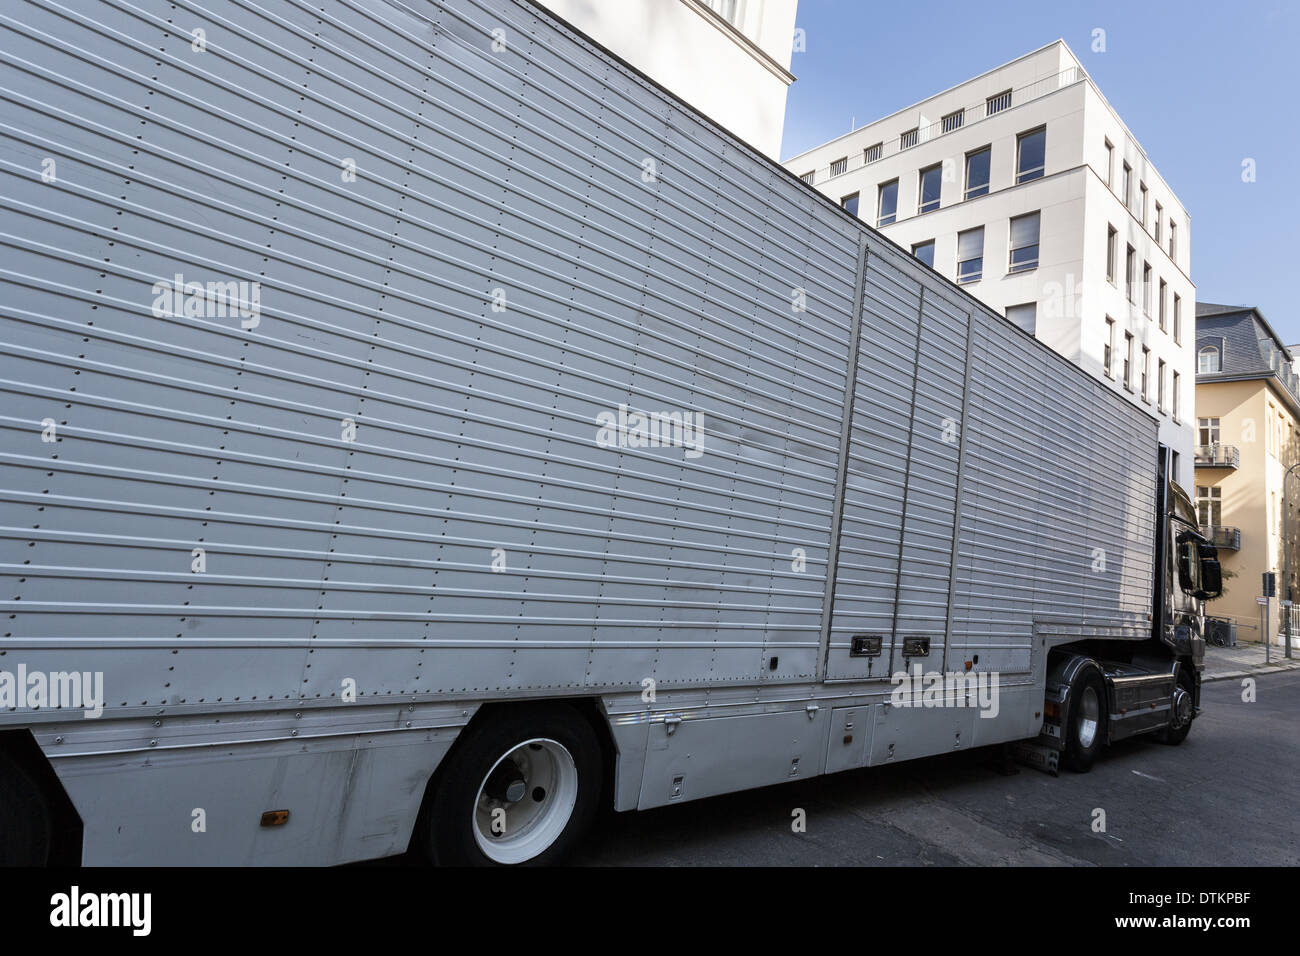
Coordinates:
(520, 790)
(1184, 712)
(1085, 725)
(25, 826)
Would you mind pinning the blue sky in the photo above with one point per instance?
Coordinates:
(1202, 85)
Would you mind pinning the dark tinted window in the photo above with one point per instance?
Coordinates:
(1031, 156)
(925, 252)
(977, 173)
(888, 203)
(931, 180)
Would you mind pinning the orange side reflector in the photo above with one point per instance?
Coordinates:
(275, 818)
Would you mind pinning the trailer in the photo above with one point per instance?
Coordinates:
(420, 428)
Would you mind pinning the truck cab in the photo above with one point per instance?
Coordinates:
(1100, 691)
(1192, 577)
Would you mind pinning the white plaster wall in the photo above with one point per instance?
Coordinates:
(682, 45)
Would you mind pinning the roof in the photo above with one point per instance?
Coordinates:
(1210, 310)
(1248, 347)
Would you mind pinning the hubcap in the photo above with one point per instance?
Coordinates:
(1089, 717)
(525, 801)
(1182, 708)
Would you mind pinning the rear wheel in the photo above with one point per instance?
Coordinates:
(25, 826)
(1086, 722)
(521, 789)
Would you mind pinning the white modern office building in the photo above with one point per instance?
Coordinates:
(730, 59)
(1025, 186)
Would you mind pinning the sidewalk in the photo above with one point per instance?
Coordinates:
(1246, 660)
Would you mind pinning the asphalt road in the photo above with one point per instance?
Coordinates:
(1227, 796)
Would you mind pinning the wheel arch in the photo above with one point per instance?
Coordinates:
(1064, 667)
(65, 822)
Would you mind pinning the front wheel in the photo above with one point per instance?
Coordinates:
(519, 790)
(1183, 711)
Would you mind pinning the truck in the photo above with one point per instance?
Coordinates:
(422, 430)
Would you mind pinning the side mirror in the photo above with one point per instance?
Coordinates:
(1211, 573)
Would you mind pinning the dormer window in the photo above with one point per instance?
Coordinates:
(1207, 360)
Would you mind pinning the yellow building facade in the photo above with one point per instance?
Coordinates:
(1247, 436)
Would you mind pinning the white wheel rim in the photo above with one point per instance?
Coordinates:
(517, 831)
(1089, 717)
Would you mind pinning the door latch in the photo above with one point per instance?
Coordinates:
(865, 645)
(916, 647)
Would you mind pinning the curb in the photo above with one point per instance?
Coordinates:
(1250, 672)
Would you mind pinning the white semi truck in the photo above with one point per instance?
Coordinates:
(419, 427)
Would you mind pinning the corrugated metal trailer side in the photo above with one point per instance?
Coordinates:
(410, 467)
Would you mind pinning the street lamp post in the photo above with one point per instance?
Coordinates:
(1286, 559)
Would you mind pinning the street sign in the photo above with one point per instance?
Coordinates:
(1260, 600)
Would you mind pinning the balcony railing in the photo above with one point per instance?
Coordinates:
(1226, 538)
(1218, 456)
(975, 113)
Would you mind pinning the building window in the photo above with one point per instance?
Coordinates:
(840, 166)
(925, 252)
(809, 176)
(1209, 506)
(1146, 289)
(1031, 155)
(872, 153)
(928, 185)
(997, 103)
(1108, 349)
(887, 208)
(1178, 319)
(1025, 316)
(1130, 274)
(1146, 374)
(1142, 204)
(850, 204)
(1164, 296)
(910, 138)
(1207, 360)
(1024, 243)
(1112, 238)
(970, 255)
(1110, 164)
(1207, 431)
(1128, 360)
(954, 121)
(1160, 385)
(977, 172)
(1160, 213)
(1126, 192)
(1173, 241)
(1177, 388)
